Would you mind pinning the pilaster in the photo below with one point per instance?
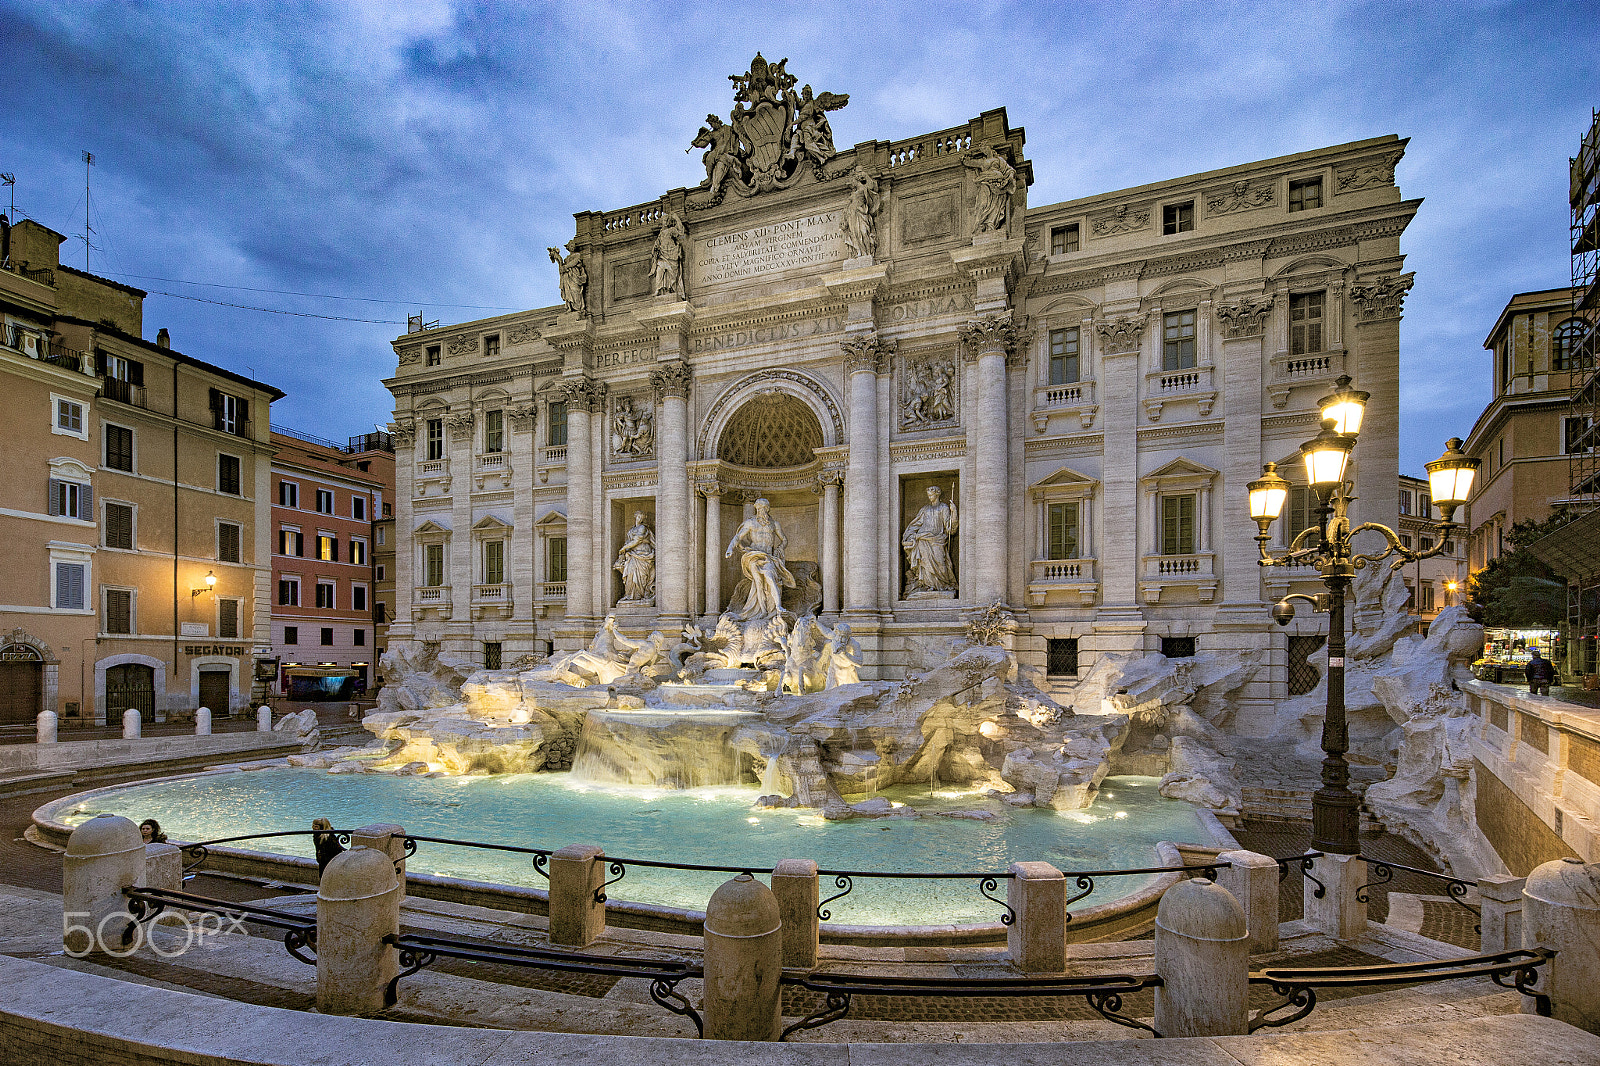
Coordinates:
(1119, 623)
(1378, 300)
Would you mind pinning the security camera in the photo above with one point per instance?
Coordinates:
(1283, 612)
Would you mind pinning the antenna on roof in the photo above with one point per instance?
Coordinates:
(88, 230)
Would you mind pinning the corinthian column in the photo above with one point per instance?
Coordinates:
(990, 340)
(713, 497)
(864, 356)
(830, 541)
(671, 382)
(583, 395)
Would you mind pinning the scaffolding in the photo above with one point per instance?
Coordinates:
(1583, 425)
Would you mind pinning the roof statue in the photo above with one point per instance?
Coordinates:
(774, 134)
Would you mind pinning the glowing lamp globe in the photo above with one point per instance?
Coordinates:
(1345, 406)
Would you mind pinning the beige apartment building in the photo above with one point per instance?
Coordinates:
(1091, 383)
(1526, 436)
(1437, 582)
(133, 510)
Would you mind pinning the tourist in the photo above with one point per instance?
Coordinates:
(150, 830)
(1541, 672)
(326, 842)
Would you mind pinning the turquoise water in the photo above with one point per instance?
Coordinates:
(703, 826)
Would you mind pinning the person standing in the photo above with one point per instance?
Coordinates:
(1541, 672)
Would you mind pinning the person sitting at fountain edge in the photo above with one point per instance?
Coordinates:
(762, 543)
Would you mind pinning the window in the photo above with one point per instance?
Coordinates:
(1405, 501)
(494, 431)
(1305, 322)
(228, 619)
(1177, 525)
(327, 597)
(382, 572)
(358, 508)
(69, 499)
(1427, 596)
(1061, 657)
(291, 634)
(358, 597)
(230, 414)
(359, 637)
(433, 565)
(491, 655)
(324, 501)
(119, 448)
(382, 534)
(1061, 531)
(1449, 547)
(119, 611)
(1575, 435)
(291, 542)
(69, 586)
(69, 417)
(1063, 356)
(116, 368)
(1562, 342)
(558, 424)
(327, 636)
(358, 551)
(1405, 541)
(1064, 239)
(555, 568)
(1305, 195)
(494, 562)
(1178, 341)
(119, 526)
(1177, 218)
(435, 439)
(228, 548)
(1301, 515)
(288, 494)
(1424, 505)
(1425, 543)
(491, 346)
(431, 357)
(327, 548)
(228, 474)
(380, 612)
(288, 592)
(1177, 647)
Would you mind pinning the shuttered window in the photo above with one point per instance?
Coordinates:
(69, 586)
(1177, 525)
(228, 550)
(1305, 323)
(228, 619)
(228, 474)
(119, 611)
(69, 499)
(119, 525)
(433, 565)
(1062, 531)
(119, 448)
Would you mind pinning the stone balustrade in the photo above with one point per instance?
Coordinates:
(431, 596)
(1069, 578)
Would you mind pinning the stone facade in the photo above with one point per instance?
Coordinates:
(1091, 383)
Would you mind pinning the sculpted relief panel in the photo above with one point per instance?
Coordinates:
(928, 394)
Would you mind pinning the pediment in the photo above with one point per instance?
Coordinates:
(433, 525)
(490, 523)
(1181, 467)
(1064, 480)
(553, 518)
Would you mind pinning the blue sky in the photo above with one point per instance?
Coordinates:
(428, 153)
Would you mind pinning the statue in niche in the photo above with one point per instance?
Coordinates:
(761, 542)
(721, 158)
(929, 394)
(574, 276)
(996, 180)
(844, 658)
(633, 430)
(602, 662)
(860, 234)
(812, 136)
(927, 546)
(670, 244)
(636, 562)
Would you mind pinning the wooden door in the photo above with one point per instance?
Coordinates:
(21, 692)
(214, 691)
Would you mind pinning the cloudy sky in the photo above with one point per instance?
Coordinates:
(421, 156)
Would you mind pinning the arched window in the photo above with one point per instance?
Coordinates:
(1563, 343)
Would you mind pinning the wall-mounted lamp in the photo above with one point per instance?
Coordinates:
(211, 585)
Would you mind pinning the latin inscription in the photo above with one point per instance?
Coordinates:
(943, 305)
(812, 327)
(625, 358)
(800, 242)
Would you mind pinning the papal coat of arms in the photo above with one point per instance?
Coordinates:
(772, 136)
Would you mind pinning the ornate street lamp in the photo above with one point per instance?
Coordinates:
(1335, 810)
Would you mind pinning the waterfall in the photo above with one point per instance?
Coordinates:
(657, 748)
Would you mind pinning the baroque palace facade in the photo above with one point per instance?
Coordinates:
(1092, 384)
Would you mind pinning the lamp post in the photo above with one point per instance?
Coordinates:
(1326, 545)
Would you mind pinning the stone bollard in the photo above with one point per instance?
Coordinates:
(389, 839)
(794, 883)
(131, 724)
(47, 727)
(1037, 940)
(202, 722)
(743, 962)
(1253, 881)
(576, 873)
(1203, 960)
(1337, 912)
(1561, 911)
(358, 904)
(1501, 913)
(104, 856)
(263, 719)
(163, 867)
